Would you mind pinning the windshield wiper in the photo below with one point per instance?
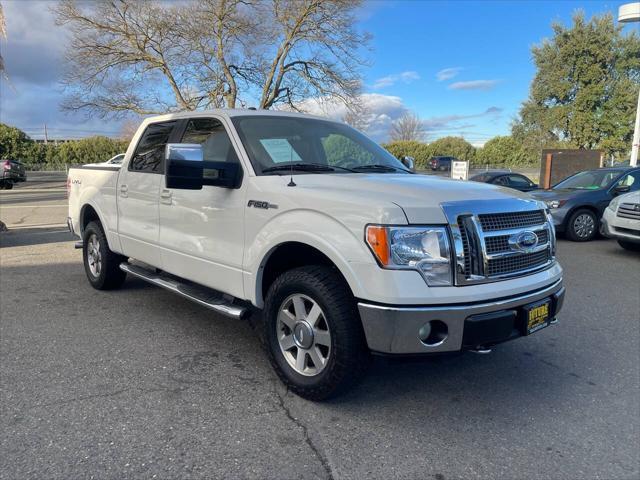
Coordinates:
(380, 168)
(308, 167)
(304, 167)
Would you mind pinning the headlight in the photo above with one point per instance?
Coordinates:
(425, 249)
(555, 203)
(613, 205)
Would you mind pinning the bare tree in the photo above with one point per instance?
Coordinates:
(148, 56)
(357, 115)
(129, 128)
(407, 127)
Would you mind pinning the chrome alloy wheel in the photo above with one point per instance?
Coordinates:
(584, 225)
(94, 257)
(303, 335)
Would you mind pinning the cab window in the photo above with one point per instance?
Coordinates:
(149, 154)
(210, 133)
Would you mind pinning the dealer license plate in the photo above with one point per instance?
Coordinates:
(537, 316)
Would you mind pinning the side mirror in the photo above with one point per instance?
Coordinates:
(618, 189)
(408, 162)
(184, 166)
(186, 169)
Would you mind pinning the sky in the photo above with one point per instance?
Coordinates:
(463, 67)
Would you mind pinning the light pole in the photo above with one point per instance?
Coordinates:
(628, 13)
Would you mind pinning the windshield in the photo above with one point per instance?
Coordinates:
(590, 180)
(274, 142)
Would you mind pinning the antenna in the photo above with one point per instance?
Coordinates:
(291, 182)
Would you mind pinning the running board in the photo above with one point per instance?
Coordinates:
(204, 296)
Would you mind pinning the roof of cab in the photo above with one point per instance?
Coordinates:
(232, 113)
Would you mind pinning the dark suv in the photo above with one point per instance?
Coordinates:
(441, 163)
(11, 171)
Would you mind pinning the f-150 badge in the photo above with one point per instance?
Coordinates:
(260, 204)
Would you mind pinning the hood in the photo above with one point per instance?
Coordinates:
(419, 196)
(559, 194)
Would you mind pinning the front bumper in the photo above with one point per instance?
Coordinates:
(396, 330)
(619, 228)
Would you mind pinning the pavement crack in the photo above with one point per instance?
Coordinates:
(305, 432)
(79, 399)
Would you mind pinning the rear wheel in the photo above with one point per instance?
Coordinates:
(313, 332)
(101, 265)
(8, 185)
(634, 247)
(582, 226)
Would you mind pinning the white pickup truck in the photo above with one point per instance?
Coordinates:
(342, 246)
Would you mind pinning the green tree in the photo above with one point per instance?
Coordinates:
(409, 148)
(585, 88)
(502, 151)
(454, 147)
(13, 142)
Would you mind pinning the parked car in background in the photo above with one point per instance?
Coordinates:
(11, 171)
(621, 220)
(115, 161)
(578, 202)
(441, 163)
(506, 178)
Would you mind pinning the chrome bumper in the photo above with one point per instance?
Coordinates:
(396, 330)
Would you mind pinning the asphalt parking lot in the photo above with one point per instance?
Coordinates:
(142, 383)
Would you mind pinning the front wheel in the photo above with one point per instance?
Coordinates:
(313, 332)
(634, 247)
(582, 226)
(101, 265)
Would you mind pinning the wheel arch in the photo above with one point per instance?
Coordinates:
(292, 254)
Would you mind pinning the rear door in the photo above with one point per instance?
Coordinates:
(202, 231)
(138, 193)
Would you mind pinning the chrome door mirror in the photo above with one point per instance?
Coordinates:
(184, 166)
(408, 162)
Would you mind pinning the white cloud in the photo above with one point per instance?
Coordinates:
(448, 73)
(380, 111)
(404, 77)
(474, 85)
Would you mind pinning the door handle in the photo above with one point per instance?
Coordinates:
(165, 197)
(124, 190)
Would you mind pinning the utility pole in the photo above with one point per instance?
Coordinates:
(627, 14)
(46, 138)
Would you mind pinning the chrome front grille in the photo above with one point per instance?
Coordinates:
(629, 210)
(505, 221)
(494, 240)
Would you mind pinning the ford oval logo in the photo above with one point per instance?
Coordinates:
(524, 241)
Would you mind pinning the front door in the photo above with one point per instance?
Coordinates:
(138, 193)
(202, 231)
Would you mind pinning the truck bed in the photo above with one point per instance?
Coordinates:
(94, 186)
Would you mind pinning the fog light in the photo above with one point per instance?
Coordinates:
(433, 333)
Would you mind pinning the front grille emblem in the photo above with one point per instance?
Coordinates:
(524, 241)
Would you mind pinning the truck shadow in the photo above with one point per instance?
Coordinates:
(20, 237)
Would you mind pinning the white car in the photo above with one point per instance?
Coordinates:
(113, 162)
(621, 220)
(344, 249)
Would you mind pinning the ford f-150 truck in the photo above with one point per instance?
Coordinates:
(342, 246)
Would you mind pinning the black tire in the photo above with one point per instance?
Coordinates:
(634, 247)
(349, 356)
(577, 234)
(108, 276)
(8, 185)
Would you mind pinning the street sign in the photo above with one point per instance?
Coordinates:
(460, 170)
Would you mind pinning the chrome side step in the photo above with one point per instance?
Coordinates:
(204, 296)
